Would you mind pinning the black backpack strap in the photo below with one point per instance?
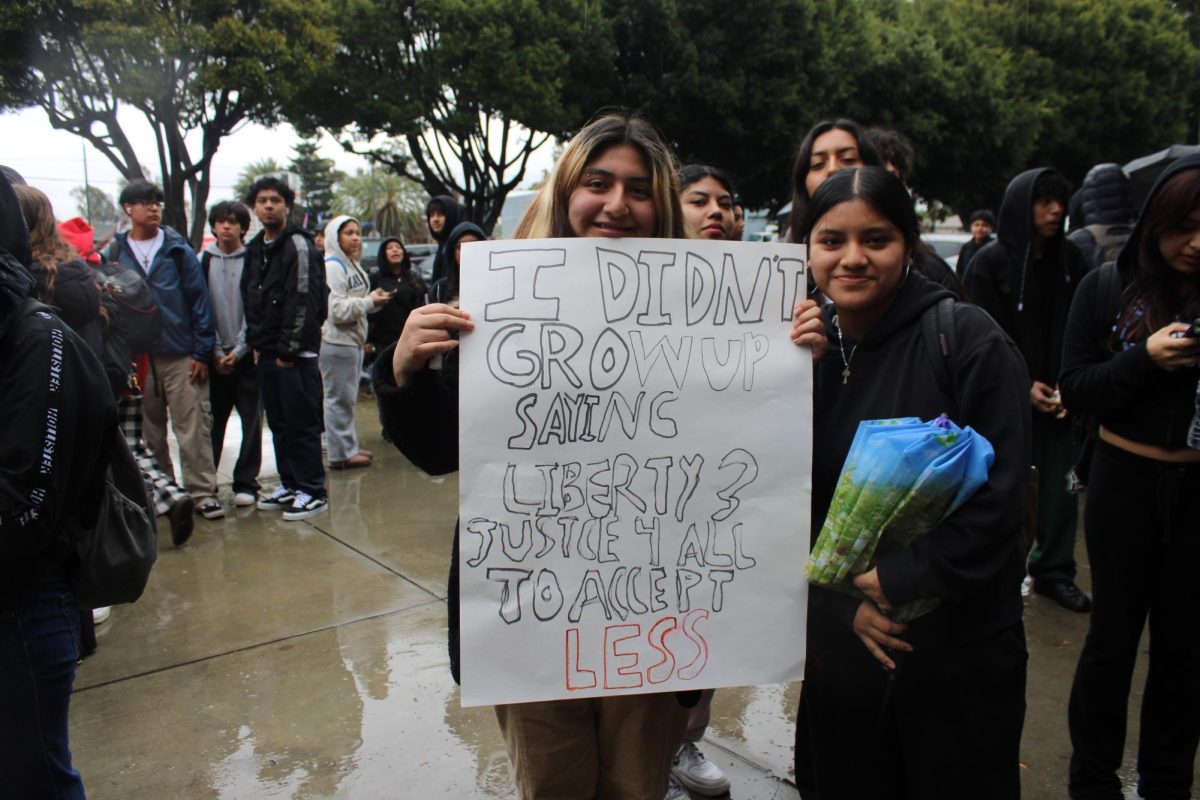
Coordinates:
(1109, 293)
(937, 335)
(205, 260)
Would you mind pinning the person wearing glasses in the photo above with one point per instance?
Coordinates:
(178, 376)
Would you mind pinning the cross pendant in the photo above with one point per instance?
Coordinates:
(846, 375)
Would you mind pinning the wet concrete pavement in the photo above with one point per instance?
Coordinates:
(270, 659)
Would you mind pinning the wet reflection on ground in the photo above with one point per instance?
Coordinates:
(308, 660)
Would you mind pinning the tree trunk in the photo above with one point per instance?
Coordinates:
(200, 207)
(175, 214)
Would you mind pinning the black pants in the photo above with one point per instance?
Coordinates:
(293, 400)
(946, 725)
(1142, 523)
(238, 390)
(1054, 454)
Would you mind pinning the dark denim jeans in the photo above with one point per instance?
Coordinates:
(39, 646)
(240, 391)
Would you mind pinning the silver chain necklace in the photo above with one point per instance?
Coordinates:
(842, 350)
(143, 254)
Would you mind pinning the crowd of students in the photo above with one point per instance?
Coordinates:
(1044, 342)
(933, 708)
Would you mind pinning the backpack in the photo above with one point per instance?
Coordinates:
(939, 339)
(117, 553)
(303, 245)
(130, 303)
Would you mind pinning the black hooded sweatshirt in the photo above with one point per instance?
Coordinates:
(408, 292)
(57, 409)
(447, 288)
(1121, 386)
(974, 561)
(454, 215)
(1029, 298)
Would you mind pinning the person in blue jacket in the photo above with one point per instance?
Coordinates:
(178, 375)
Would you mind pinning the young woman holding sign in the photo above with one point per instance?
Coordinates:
(615, 179)
(932, 709)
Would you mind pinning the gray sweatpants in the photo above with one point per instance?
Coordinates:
(341, 367)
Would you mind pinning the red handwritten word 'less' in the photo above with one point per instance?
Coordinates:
(625, 651)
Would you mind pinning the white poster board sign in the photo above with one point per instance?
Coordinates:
(635, 451)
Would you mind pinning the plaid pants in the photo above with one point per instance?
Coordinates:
(163, 491)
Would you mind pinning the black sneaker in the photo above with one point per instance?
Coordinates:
(305, 506)
(210, 508)
(277, 500)
(180, 517)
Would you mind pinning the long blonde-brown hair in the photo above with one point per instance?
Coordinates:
(49, 249)
(547, 217)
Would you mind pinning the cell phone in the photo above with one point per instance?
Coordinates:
(1193, 331)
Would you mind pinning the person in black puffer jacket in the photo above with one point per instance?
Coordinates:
(1106, 210)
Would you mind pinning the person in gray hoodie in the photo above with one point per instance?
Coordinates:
(233, 382)
(342, 338)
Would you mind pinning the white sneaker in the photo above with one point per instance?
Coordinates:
(101, 614)
(305, 506)
(698, 773)
(675, 790)
(243, 499)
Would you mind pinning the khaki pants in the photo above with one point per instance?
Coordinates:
(191, 418)
(611, 748)
(699, 716)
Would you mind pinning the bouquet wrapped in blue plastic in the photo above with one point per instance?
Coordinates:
(901, 478)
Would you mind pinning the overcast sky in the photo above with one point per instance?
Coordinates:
(53, 160)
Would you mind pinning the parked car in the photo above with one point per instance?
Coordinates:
(946, 245)
(421, 255)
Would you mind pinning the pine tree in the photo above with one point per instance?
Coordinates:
(317, 178)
